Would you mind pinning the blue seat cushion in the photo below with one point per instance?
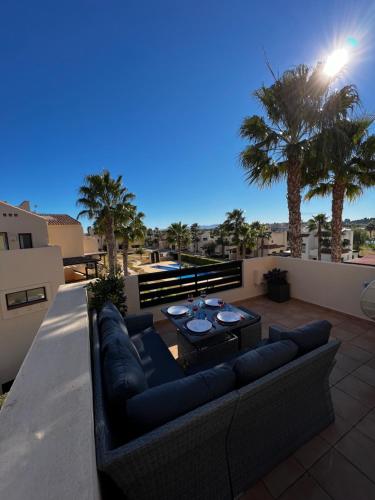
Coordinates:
(158, 363)
(122, 373)
(307, 337)
(166, 402)
(111, 328)
(109, 310)
(258, 362)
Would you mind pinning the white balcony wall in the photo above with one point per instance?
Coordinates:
(327, 284)
(47, 446)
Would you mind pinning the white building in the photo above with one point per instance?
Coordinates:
(310, 245)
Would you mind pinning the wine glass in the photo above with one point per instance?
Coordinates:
(203, 295)
(220, 303)
(190, 299)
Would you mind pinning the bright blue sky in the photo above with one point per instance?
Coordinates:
(156, 90)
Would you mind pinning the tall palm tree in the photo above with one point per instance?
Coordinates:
(179, 235)
(295, 105)
(130, 229)
(318, 223)
(195, 233)
(101, 197)
(235, 222)
(342, 164)
(157, 235)
(221, 232)
(263, 233)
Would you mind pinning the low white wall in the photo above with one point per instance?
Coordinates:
(253, 270)
(327, 284)
(47, 446)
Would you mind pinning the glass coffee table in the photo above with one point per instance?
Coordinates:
(219, 341)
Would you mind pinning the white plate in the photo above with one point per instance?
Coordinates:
(228, 317)
(199, 325)
(213, 302)
(177, 310)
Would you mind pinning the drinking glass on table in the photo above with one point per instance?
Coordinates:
(195, 308)
(190, 300)
(203, 296)
(221, 303)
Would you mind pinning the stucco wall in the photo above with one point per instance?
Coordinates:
(327, 284)
(90, 244)
(16, 221)
(69, 238)
(22, 270)
(47, 444)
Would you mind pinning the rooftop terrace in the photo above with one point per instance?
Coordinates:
(46, 427)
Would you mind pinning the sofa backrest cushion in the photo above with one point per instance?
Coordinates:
(109, 310)
(163, 403)
(123, 375)
(111, 328)
(258, 362)
(307, 337)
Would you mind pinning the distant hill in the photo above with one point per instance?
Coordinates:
(359, 222)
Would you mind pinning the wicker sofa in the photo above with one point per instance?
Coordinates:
(219, 448)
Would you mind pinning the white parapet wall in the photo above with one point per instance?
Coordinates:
(327, 284)
(252, 286)
(47, 446)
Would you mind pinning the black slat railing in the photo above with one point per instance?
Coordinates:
(171, 286)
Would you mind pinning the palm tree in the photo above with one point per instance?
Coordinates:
(234, 222)
(157, 235)
(195, 233)
(130, 229)
(179, 235)
(221, 233)
(248, 238)
(318, 223)
(296, 105)
(102, 197)
(342, 164)
(263, 233)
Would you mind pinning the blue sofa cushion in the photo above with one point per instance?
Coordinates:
(158, 363)
(111, 328)
(307, 337)
(258, 362)
(123, 376)
(109, 310)
(166, 402)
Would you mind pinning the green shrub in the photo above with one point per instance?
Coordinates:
(198, 261)
(107, 288)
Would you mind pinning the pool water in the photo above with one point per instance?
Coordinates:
(166, 267)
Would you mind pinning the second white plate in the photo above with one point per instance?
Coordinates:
(228, 317)
(199, 325)
(177, 310)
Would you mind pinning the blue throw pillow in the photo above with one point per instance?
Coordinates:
(123, 376)
(307, 337)
(165, 402)
(258, 362)
(109, 310)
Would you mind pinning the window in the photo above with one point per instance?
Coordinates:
(26, 297)
(25, 240)
(4, 241)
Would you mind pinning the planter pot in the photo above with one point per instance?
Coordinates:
(278, 292)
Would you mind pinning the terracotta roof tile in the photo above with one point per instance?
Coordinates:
(59, 219)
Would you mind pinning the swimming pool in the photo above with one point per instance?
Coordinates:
(166, 267)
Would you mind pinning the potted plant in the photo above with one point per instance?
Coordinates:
(277, 285)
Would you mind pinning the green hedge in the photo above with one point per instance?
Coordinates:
(198, 261)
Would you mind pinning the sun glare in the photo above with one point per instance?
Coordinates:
(336, 61)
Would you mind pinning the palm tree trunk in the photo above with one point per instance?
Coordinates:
(294, 207)
(125, 248)
(111, 242)
(319, 242)
(338, 194)
(261, 246)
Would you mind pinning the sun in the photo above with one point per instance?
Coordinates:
(336, 61)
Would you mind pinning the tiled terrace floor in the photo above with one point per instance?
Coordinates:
(339, 463)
